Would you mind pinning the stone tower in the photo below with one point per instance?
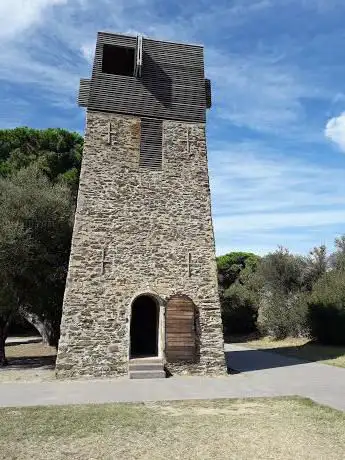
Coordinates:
(141, 292)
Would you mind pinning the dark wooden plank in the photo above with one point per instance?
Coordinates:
(180, 330)
(173, 341)
(151, 154)
(180, 336)
(172, 85)
(84, 92)
(176, 329)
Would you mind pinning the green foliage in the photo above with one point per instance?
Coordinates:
(316, 265)
(56, 152)
(338, 258)
(40, 177)
(35, 233)
(282, 271)
(231, 265)
(327, 309)
(282, 305)
(239, 312)
(283, 315)
(283, 294)
(236, 272)
(15, 252)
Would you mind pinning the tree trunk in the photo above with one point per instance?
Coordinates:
(3, 336)
(44, 328)
(3, 360)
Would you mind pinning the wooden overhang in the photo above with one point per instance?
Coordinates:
(167, 80)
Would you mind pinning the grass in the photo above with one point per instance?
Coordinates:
(28, 362)
(280, 428)
(300, 348)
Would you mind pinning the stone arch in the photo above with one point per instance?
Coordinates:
(181, 330)
(145, 325)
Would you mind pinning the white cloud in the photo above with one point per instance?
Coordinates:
(335, 130)
(88, 50)
(280, 220)
(260, 92)
(250, 90)
(53, 83)
(248, 177)
(18, 15)
(339, 97)
(262, 198)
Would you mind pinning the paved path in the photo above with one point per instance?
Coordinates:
(261, 374)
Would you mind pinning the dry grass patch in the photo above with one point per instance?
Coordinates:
(28, 362)
(29, 350)
(284, 428)
(301, 348)
(26, 375)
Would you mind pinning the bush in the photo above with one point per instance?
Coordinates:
(282, 271)
(230, 266)
(239, 312)
(326, 312)
(283, 315)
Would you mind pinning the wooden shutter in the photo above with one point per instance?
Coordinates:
(208, 92)
(84, 91)
(180, 334)
(151, 144)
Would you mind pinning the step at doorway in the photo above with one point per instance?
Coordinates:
(146, 368)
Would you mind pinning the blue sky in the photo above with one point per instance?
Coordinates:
(276, 132)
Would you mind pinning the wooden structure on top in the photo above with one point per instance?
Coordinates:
(147, 78)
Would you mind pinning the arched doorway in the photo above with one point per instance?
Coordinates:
(144, 327)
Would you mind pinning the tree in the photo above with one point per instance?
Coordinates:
(239, 308)
(56, 155)
(282, 304)
(236, 272)
(282, 271)
(56, 152)
(317, 264)
(326, 312)
(338, 257)
(35, 233)
(232, 264)
(15, 252)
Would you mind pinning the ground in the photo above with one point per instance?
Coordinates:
(253, 373)
(281, 428)
(61, 424)
(32, 361)
(298, 347)
(29, 360)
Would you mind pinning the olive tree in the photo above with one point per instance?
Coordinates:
(35, 233)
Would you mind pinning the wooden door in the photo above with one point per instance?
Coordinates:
(180, 333)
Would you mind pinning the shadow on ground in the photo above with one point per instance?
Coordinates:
(246, 360)
(29, 353)
(31, 362)
(254, 360)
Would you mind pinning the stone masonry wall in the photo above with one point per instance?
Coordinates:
(132, 235)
